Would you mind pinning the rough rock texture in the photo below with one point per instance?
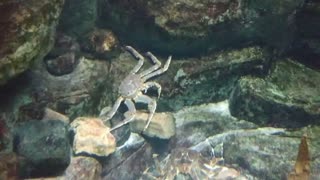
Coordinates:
(64, 56)
(288, 97)
(44, 147)
(168, 26)
(194, 124)
(270, 157)
(92, 137)
(86, 85)
(161, 126)
(27, 29)
(263, 153)
(83, 168)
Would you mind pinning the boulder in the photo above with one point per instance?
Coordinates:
(169, 27)
(44, 147)
(92, 137)
(288, 97)
(27, 34)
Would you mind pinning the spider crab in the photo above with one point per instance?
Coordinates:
(134, 84)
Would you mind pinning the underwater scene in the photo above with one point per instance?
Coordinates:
(160, 89)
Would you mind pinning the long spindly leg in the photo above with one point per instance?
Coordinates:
(136, 55)
(148, 85)
(159, 71)
(129, 115)
(152, 105)
(114, 108)
(157, 64)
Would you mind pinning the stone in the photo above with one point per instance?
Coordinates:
(92, 137)
(195, 124)
(27, 30)
(44, 146)
(288, 97)
(64, 57)
(86, 87)
(168, 26)
(83, 168)
(9, 165)
(161, 126)
(51, 114)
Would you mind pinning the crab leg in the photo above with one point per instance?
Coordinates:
(129, 115)
(114, 108)
(148, 85)
(159, 71)
(152, 105)
(157, 65)
(137, 56)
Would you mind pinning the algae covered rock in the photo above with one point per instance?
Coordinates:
(27, 29)
(169, 26)
(44, 147)
(288, 97)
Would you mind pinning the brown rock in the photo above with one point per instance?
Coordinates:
(92, 137)
(83, 168)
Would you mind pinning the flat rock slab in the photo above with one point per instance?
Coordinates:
(161, 126)
(44, 147)
(92, 137)
(288, 97)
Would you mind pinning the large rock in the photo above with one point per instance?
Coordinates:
(168, 26)
(27, 30)
(87, 85)
(92, 137)
(288, 97)
(44, 147)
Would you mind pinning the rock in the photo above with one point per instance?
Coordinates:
(92, 137)
(87, 85)
(168, 26)
(9, 166)
(288, 97)
(64, 57)
(196, 123)
(267, 157)
(51, 114)
(161, 126)
(44, 146)
(83, 168)
(27, 30)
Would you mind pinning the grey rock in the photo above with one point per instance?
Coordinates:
(44, 146)
(288, 97)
